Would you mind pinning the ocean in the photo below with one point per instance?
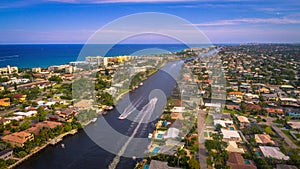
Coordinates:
(44, 55)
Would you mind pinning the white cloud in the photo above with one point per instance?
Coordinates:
(251, 21)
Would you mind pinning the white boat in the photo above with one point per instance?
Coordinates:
(121, 117)
(62, 145)
(150, 135)
(141, 84)
(94, 120)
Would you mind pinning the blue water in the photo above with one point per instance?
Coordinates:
(28, 56)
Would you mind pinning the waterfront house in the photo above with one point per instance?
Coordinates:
(236, 161)
(35, 129)
(18, 138)
(6, 154)
(66, 113)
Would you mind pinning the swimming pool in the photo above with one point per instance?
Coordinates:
(156, 150)
(247, 161)
(146, 166)
(258, 154)
(159, 136)
(231, 128)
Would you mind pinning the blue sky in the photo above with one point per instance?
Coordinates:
(223, 21)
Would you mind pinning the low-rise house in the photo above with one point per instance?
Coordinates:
(5, 102)
(18, 138)
(172, 133)
(6, 154)
(26, 114)
(263, 139)
(273, 111)
(48, 124)
(20, 97)
(236, 161)
(230, 135)
(155, 164)
(35, 129)
(289, 102)
(233, 147)
(252, 107)
(232, 107)
(235, 95)
(5, 121)
(263, 90)
(66, 113)
(270, 97)
(244, 122)
(273, 152)
(223, 123)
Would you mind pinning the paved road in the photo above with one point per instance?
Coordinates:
(280, 133)
(202, 149)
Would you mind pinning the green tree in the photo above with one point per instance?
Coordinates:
(21, 154)
(25, 125)
(194, 164)
(67, 127)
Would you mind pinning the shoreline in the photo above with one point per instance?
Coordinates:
(50, 142)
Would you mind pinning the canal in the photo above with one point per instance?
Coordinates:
(96, 147)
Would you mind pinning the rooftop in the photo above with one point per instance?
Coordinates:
(236, 161)
(263, 139)
(273, 152)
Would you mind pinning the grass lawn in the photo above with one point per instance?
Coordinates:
(209, 120)
(229, 111)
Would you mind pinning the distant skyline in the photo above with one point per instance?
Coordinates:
(223, 21)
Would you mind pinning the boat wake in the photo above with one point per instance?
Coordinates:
(131, 108)
(146, 112)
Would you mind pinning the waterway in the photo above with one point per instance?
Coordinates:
(81, 152)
